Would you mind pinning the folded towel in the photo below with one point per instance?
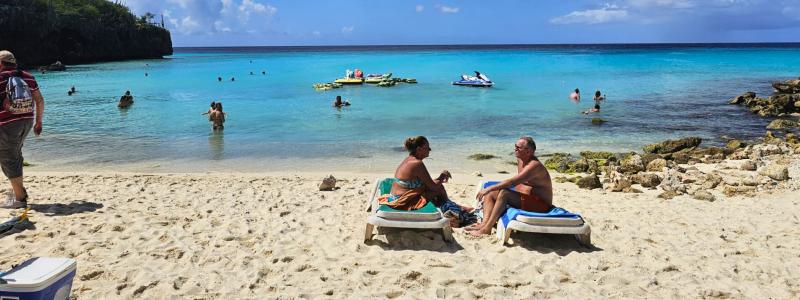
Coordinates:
(555, 212)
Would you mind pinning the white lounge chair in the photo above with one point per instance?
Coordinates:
(429, 216)
(515, 219)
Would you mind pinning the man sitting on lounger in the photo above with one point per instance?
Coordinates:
(533, 190)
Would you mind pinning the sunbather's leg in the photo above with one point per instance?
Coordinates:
(440, 194)
(488, 203)
(497, 210)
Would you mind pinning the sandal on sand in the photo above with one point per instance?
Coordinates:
(14, 203)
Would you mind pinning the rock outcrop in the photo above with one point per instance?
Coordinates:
(672, 146)
(781, 103)
(40, 33)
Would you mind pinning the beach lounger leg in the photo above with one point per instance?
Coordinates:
(368, 232)
(503, 234)
(447, 234)
(506, 236)
(585, 239)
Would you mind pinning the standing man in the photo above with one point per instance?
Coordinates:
(20, 95)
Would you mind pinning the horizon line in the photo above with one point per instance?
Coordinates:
(500, 45)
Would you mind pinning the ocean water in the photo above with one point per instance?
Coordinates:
(278, 121)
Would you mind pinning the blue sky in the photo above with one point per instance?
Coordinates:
(384, 22)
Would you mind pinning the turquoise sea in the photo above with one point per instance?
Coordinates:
(278, 121)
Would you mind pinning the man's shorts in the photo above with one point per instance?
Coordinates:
(12, 135)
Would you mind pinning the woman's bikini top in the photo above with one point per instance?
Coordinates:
(409, 184)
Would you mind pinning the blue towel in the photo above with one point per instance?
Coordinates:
(555, 212)
(512, 213)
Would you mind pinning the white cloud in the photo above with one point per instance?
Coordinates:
(187, 25)
(348, 29)
(420, 8)
(448, 9)
(316, 33)
(610, 13)
(219, 26)
(682, 4)
(226, 6)
(181, 3)
(249, 6)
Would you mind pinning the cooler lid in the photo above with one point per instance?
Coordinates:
(38, 271)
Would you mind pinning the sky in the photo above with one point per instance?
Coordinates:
(422, 22)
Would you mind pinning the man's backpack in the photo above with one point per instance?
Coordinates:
(19, 99)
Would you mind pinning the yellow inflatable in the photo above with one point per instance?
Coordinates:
(350, 80)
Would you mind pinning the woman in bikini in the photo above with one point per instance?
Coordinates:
(217, 117)
(414, 186)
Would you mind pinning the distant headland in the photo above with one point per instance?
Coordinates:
(41, 32)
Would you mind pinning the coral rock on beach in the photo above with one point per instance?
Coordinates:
(657, 165)
(328, 183)
(590, 182)
(671, 146)
(749, 165)
(559, 162)
(711, 181)
(673, 182)
(732, 190)
(648, 180)
(632, 165)
(775, 171)
(703, 195)
(596, 154)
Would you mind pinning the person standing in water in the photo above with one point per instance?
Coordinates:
(338, 102)
(217, 117)
(576, 95)
(210, 110)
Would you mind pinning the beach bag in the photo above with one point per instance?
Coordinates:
(19, 99)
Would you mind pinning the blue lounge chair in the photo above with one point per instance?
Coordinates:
(557, 220)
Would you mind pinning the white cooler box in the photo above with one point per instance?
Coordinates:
(39, 278)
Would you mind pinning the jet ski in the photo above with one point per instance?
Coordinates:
(476, 81)
(377, 78)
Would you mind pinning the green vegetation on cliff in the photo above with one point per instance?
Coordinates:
(40, 32)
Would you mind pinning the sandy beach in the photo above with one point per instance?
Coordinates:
(275, 236)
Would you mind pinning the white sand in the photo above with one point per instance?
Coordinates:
(264, 236)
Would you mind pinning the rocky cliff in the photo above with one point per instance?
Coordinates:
(40, 32)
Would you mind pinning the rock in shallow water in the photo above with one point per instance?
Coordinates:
(598, 121)
(782, 124)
